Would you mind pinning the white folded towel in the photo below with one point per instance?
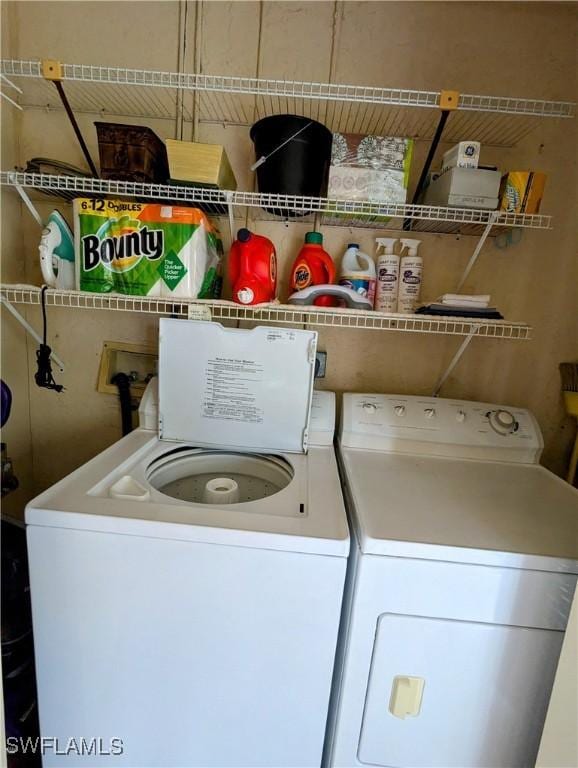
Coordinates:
(462, 300)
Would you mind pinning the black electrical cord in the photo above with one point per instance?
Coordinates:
(43, 375)
(122, 382)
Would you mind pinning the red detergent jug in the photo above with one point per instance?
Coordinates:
(252, 268)
(313, 266)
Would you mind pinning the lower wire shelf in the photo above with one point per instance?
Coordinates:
(278, 314)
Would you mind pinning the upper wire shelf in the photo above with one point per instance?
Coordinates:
(114, 91)
(343, 213)
(278, 314)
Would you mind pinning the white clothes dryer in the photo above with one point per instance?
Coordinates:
(187, 582)
(463, 566)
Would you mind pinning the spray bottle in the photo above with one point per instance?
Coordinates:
(387, 275)
(409, 276)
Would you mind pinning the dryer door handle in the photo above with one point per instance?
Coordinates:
(406, 696)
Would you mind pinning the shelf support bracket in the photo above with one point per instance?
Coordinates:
(448, 102)
(454, 361)
(16, 88)
(28, 202)
(28, 328)
(229, 199)
(474, 257)
(52, 71)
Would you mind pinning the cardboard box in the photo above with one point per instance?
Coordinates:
(203, 165)
(464, 188)
(368, 167)
(522, 191)
(465, 154)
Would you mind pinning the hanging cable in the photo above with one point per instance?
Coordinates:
(122, 382)
(43, 375)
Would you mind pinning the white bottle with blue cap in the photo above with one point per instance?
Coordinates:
(358, 272)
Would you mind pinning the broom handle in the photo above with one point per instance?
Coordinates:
(573, 462)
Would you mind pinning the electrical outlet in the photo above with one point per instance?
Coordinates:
(320, 364)
(138, 361)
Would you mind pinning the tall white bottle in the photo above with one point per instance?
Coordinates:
(387, 275)
(410, 272)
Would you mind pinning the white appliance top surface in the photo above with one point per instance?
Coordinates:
(248, 389)
(486, 512)
(307, 515)
(435, 426)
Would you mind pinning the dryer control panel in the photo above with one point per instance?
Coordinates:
(441, 427)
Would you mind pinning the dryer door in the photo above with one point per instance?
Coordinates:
(456, 693)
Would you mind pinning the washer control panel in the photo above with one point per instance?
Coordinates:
(438, 426)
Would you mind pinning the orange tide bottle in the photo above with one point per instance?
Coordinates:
(313, 266)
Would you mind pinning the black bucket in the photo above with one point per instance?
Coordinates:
(299, 167)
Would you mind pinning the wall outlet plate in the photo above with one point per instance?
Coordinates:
(140, 360)
(320, 364)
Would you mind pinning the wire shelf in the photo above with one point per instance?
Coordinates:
(279, 314)
(343, 213)
(110, 91)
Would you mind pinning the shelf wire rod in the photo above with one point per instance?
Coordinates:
(474, 257)
(454, 361)
(29, 204)
(77, 131)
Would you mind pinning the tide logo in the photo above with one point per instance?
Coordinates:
(301, 276)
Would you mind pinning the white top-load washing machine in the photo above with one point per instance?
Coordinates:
(187, 584)
(463, 567)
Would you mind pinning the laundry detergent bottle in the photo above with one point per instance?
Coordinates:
(313, 266)
(358, 272)
(252, 268)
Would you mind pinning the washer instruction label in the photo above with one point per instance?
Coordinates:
(231, 386)
(280, 335)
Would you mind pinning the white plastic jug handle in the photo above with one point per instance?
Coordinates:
(365, 260)
(47, 260)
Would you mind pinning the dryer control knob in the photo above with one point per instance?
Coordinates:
(502, 422)
(429, 413)
(399, 410)
(461, 416)
(369, 407)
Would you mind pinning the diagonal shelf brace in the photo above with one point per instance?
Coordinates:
(29, 204)
(454, 361)
(28, 328)
(474, 257)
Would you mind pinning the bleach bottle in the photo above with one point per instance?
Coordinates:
(410, 272)
(387, 275)
(358, 272)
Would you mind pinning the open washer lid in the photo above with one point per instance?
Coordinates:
(235, 388)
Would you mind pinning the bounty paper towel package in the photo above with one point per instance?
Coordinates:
(145, 249)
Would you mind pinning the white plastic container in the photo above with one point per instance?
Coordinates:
(410, 273)
(358, 272)
(465, 154)
(387, 275)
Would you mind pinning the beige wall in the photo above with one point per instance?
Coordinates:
(525, 49)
